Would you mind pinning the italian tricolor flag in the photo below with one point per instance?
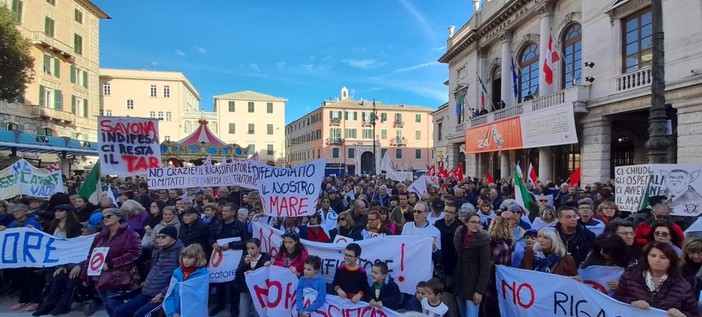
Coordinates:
(521, 194)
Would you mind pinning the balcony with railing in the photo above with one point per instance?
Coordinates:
(335, 122)
(335, 140)
(577, 96)
(398, 141)
(51, 114)
(50, 43)
(398, 124)
(630, 81)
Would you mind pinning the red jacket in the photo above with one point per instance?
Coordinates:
(298, 263)
(643, 231)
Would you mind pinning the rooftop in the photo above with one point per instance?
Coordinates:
(249, 95)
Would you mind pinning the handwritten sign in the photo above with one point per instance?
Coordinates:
(128, 146)
(21, 178)
(680, 183)
(290, 192)
(29, 247)
(235, 173)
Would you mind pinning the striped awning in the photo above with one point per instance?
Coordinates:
(202, 134)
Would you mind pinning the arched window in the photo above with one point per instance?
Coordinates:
(188, 127)
(573, 56)
(529, 76)
(496, 89)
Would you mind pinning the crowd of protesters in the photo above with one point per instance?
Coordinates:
(159, 235)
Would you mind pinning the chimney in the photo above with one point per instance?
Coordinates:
(451, 29)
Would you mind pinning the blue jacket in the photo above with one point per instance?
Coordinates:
(30, 221)
(163, 263)
(195, 289)
(389, 294)
(319, 285)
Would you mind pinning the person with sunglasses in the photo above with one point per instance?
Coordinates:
(118, 272)
(664, 232)
(420, 226)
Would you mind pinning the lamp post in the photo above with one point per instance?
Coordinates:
(658, 143)
(375, 159)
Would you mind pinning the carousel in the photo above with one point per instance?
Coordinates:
(197, 146)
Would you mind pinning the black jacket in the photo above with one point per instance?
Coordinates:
(389, 294)
(238, 229)
(198, 232)
(244, 267)
(578, 245)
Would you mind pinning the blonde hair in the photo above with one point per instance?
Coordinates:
(500, 229)
(557, 246)
(690, 245)
(349, 220)
(545, 217)
(131, 207)
(194, 251)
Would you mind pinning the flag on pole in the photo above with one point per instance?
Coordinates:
(515, 80)
(489, 177)
(550, 61)
(483, 93)
(432, 171)
(531, 178)
(521, 194)
(574, 178)
(91, 188)
(519, 171)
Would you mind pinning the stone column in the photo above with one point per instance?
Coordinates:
(546, 14)
(484, 163)
(472, 165)
(504, 164)
(506, 94)
(545, 164)
(595, 150)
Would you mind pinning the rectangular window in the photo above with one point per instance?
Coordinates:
(130, 104)
(352, 153)
(398, 133)
(346, 115)
(47, 63)
(232, 106)
(383, 152)
(17, 8)
(418, 134)
(232, 128)
(49, 26)
(252, 148)
(251, 107)
(152, 90)
(269, 107)
(398, 153)
(78, 44)
(440, 126)
(398, 117)
(351, 133)
(367, 134)
(252, 128)
(78, 16)
(160, 115)
(85, 108)
(417, 118)
(335, 152)
(269, 129)
(106, 89)
(383, 116)
(269, 149)
(417, 153)
(152, 114)
(108, 113)
(637, 41)
(384, 134)
(166, 137)
(169, 116)
(74, 104)
(166, 91)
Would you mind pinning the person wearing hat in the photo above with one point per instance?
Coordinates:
(165, 261)
(120, 262)
(57, 300)
(93, 225)
(194, 230)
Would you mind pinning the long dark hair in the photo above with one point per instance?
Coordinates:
(614, 247)
(71, 221)
(668, 251)
(298, 245)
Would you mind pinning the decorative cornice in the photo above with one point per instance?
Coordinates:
(506, 37)
(546, 9)
(624, 8)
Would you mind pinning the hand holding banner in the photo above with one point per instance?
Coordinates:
(223, 264)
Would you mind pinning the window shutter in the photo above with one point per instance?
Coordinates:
(73, 74)
(41, 95)
(58, 100)
(74, 100)
(85, 79)
(47, 64)
(57, 68)
(85, 108)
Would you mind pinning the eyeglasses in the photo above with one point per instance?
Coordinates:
(418, 211)
(105, 217)
(349, 256)
(661, 234)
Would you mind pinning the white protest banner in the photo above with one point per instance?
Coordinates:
(290, 192)
(342, 239)
(598, 276)
(396, 251)
(678, 182)
(223, 264)
(550, 126)
(419, 186)
(524, 293)
(29, 247)
(273, 290)
(234, 173)
(128, 146)
(97, 261)
(21, 178)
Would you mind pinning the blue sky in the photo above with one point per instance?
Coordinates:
(302, 50)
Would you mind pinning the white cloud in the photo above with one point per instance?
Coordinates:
(255, 68)
(426, 28)
(414, 67)
(280, 64)
(363, 63)
(440, 48)
(200, 49)
(179, 52)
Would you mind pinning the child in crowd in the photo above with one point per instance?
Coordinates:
(310, 287)
(431, 304)
(382, 294)
(253, 260)
(415, 303)
(189, 284)
(350, 280)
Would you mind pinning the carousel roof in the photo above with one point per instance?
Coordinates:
(202, 134)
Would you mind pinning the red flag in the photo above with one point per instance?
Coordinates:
(532, 175)
(574, 178)
(550, 60)
(432, 171)
(489, 177)
(176, 163)
(443, 173)
(459, 173)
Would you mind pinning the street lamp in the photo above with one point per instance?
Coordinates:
(375, 159)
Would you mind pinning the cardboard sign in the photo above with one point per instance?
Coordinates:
(128, 146)
(223, 264)
(97, 261)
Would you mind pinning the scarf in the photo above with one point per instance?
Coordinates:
(649, 281)
(187, 271)
(543, 262)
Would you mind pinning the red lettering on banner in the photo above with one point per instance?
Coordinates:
(216, 259)
(516, 293)
(140, 163)
(143, 128)
(402, 263)
(596, 286)
(276, 300)
(261, 294)
(267, 243)
(289, 295)
(288, 206)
